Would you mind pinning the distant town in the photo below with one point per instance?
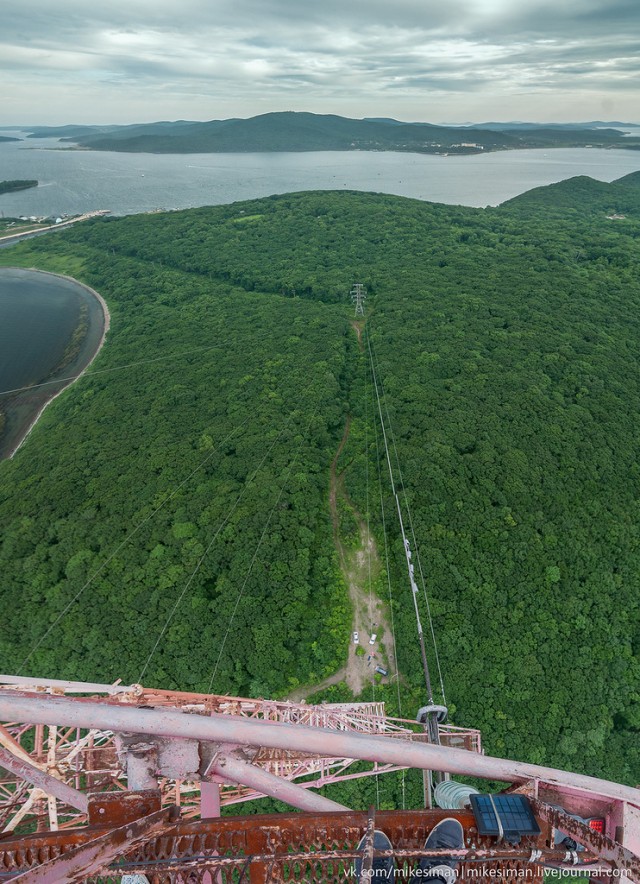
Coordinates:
(14, 229)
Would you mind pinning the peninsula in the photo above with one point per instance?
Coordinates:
(289, 131)
(10, 186)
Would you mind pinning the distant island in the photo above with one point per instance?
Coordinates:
(291, 131)
(9, 138)
(10, 186)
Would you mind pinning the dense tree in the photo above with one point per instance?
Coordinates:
(506, 344)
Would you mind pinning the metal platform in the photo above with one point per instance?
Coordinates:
(101, 784)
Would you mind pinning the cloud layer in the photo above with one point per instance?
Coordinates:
(464, 60)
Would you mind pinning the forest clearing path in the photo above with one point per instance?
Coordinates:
(360, 565)
(357, 327)
(302, 693)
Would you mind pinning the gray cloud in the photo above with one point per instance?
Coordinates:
(414, 59)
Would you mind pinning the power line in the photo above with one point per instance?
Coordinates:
(426, 599)
(126, 540)
(388, 570)
(135, 530)
(205, 553)
(88, 374)
(393, 627)
(170, 357)
(255, 554)
(407, 548)
(415, 546)
(368, 542)
(428, 715)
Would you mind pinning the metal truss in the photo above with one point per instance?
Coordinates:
(94, 760)
(122, 760)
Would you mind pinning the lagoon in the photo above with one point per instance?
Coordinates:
(51, 327)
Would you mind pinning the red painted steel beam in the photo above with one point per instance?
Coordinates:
(626, 864)
(90, 858)
(217, 728)
(44, 781)
(238, 771)
(78, 687)
(12, 745)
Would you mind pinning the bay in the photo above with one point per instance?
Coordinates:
(76, 181)
(37, 324)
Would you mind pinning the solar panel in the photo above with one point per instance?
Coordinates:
(504, 814)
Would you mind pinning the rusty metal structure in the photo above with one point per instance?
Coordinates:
(123, 783)
(100, 760)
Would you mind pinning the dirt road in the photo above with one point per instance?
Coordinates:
(360, 566)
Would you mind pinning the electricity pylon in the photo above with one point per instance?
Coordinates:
(358, 296)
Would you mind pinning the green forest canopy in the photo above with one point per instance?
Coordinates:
(508, 344)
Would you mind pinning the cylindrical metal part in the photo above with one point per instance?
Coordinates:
(316, 741)
(78, 687)
(44, 781)
(450, 795)
(238, 771)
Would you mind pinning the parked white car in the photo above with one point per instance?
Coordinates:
(356, 638)
(373, 638)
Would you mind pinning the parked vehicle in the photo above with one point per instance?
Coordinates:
(356, 638)
(373, 638)
(382, 670)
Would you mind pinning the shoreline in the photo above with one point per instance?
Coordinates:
(11, 238)
(106, 319)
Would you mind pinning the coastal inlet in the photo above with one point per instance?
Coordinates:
(51, 328)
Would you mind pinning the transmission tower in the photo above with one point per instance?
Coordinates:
(359, 296)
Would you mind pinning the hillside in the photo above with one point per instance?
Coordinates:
(518, 126)
(507, 343)
(289, 131)
(581, 195)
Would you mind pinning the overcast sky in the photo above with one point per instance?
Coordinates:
(120, 61)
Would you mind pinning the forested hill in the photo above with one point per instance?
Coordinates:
(291, 131)
(507, 342)
(582, 195)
